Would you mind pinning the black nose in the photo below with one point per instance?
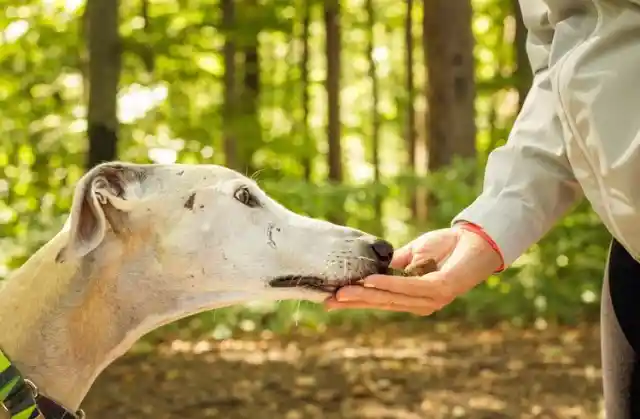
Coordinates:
(383, 251)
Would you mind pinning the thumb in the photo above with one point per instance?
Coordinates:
(436, 245)
(402, 257)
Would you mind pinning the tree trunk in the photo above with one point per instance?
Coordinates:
(410, 131)
(523, 74)
(331, 17)
(104, 76)
(147, 51)
(307, 159)
(230, 93)
(448, 44)
(497, 97)
(252, 130)
(335, 176)
(375, 117)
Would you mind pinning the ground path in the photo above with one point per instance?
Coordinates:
(392, 371)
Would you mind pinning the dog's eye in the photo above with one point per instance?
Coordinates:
(244, 195)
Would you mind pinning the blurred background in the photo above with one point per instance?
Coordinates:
(378, 114)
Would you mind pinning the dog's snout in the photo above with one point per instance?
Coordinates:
(383, 251)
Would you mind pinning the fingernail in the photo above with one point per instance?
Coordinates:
(368, 285)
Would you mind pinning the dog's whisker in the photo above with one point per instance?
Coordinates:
(255, 174)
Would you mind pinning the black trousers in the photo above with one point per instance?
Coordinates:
(620, 335)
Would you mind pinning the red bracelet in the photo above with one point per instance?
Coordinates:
(474, 228)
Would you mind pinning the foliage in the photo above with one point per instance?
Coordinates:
(171, 111)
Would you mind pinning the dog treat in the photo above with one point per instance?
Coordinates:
(420, 269)
(423, 268)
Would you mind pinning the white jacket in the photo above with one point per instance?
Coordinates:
(578, 133)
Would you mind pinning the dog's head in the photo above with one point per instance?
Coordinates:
(207, 230)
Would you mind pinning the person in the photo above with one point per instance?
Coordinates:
(577, 135)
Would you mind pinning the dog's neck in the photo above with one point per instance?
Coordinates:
(63, 323)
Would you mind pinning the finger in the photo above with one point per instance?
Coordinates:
(436, 245)
(432, 286)
(420, 311)
(379, 297)
(401, 257)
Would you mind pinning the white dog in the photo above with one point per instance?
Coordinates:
(146, 245)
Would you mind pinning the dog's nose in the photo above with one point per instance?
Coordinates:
(383, 251)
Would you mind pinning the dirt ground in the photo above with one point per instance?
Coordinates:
(392, 371)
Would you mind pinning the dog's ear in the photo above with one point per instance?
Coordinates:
(102, 199)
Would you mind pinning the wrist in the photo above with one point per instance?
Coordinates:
(479, 232)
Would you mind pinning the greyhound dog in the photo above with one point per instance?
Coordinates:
(145, 245)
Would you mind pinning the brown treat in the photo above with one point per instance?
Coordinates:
(397, 272)
(420, 269)
(423, 268)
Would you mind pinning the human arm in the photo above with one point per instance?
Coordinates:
(528, 182)
(528, 186)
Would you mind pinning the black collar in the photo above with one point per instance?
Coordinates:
(21, 399)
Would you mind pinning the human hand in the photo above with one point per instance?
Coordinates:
(465, 259)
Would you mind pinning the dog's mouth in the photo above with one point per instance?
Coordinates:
(331, 286)
(312, 282)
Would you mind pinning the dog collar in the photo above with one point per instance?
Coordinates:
(21, 399)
